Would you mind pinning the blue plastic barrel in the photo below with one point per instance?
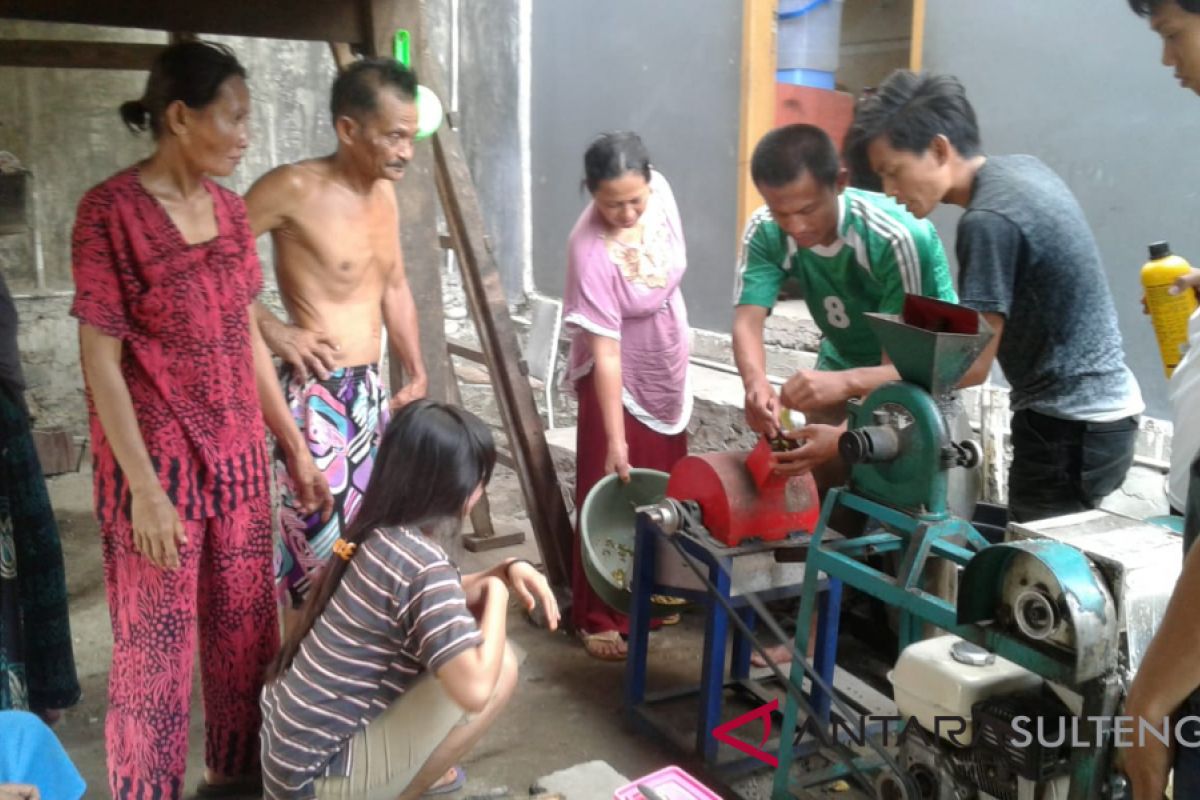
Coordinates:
(809, 37)
(816, 78)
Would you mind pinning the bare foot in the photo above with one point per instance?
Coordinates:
(453, 781)
(779, 653)
(446, 779)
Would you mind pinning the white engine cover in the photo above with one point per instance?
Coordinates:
(930, 682)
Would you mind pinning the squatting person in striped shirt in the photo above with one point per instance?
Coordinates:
(398, 665)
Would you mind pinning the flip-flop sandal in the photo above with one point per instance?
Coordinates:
(243, 787)
(668, 600)
(590, 640)
(460, 780)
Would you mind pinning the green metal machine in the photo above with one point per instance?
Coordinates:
(1039, 604)
(899, 439)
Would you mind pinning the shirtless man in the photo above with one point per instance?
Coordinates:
(336, 231)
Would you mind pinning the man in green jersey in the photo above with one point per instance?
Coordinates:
(851, 252)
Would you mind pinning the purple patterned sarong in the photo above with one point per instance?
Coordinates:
(343, 418)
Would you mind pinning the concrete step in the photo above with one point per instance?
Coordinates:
(594, 780)
(790, 340)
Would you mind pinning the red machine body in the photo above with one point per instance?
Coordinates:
(741, 498)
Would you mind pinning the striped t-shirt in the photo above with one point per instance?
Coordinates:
(882, 253)
(399, 611)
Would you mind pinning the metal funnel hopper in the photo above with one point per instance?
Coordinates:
(933, 343)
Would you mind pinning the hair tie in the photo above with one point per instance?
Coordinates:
(344, 550)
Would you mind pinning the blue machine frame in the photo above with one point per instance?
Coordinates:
(718, 560)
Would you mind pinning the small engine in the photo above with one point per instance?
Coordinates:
(976, 727)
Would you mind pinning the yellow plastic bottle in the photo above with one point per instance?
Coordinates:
(1168, 312)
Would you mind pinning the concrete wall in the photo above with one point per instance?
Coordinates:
(64, 127)
(49, 344)
(1079, 84)
(668, 70)
(493, 118)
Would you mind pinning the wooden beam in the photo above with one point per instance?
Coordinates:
(312, 20)
(469, 353)
(77, 55)
(381, 18)
(483, 533)
(489, 307)
(916, 55)
(759, 58)
(343, 55)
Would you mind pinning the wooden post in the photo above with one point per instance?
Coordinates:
(759, 58)
(484, 289)
(309, 20)
(342, 54)
(916, 54)
(418, 209)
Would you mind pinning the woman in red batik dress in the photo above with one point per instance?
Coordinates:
(165, 270)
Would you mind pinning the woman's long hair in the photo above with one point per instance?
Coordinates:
(431, 460)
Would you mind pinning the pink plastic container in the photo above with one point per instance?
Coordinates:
(671, 783)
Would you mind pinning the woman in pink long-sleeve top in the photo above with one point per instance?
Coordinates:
(629, 347)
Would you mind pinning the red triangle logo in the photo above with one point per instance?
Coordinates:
(721, 733)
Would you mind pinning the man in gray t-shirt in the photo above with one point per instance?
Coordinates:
(1026, 253)
(1029, 263)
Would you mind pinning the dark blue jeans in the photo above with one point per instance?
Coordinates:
(1191, 510)
(1065, 466)
(1187, 759)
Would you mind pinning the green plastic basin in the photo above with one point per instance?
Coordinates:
(607, 528)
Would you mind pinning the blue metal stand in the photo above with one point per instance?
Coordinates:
(719, 561)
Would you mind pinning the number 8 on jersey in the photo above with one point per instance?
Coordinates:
(835, 312)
